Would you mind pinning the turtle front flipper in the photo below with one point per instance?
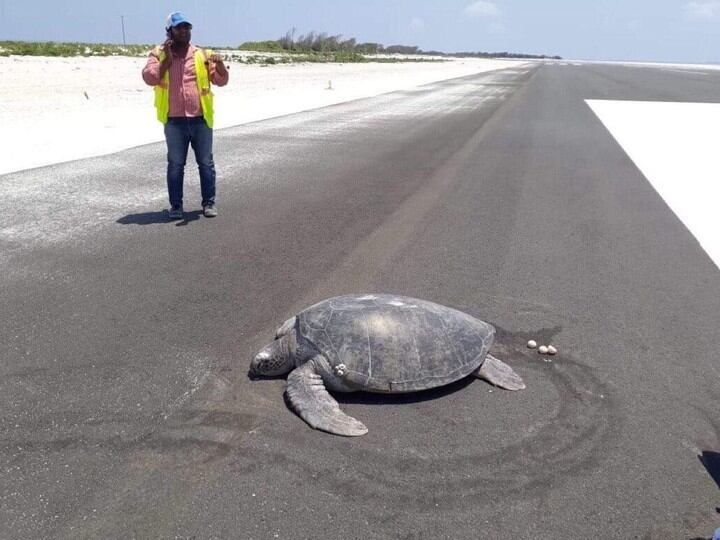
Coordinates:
(285, 328)
(499, 373)
(309, 398)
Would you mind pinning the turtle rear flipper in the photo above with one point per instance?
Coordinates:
(309, 398)
(499, 373)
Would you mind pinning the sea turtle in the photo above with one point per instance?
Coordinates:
(376, 343)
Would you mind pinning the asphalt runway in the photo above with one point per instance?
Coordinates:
(125, 406)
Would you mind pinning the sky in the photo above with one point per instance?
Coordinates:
(631, 30)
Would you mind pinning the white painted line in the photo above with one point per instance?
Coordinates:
(709, 67)
(675, 145)
(685, 71)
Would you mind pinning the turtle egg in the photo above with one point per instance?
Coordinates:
(543, 349)
(532, 344)
(551, 350)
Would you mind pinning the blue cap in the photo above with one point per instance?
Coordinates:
(176, 18)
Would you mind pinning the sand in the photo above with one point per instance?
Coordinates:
(62, 109)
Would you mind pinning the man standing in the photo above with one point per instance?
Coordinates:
(181, 75)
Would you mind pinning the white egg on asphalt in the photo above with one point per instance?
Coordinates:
(551, 350)
(543, 349)
(532, 344)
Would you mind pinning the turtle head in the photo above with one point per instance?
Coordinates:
(273, 360)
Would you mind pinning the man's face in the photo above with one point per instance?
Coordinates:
(181, 33)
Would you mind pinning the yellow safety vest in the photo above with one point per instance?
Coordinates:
(162, 90)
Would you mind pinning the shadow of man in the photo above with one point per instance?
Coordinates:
(153, 218)
(711, 462)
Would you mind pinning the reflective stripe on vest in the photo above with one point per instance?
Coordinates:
(202, 77)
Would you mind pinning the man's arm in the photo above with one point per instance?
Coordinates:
(154, 70)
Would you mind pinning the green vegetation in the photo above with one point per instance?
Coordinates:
(337, 57)
(50, 48)
(315, 43)
(275, 54)
(500, 55)
(311, 47)
(262, 46)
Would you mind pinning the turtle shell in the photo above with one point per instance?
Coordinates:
(387, 343)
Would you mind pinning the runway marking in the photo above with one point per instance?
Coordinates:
(686, 71)
(675, 146)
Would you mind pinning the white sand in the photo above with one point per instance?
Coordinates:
(61, 109)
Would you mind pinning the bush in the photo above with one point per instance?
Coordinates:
(261, 46)
(50, 48)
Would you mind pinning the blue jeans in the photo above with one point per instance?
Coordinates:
(179, 133)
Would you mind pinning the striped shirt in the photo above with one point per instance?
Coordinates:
(184, 94)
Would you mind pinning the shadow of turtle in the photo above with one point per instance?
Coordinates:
(369, 398)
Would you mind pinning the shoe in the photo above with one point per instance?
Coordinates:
(176, 212)
(209, 210)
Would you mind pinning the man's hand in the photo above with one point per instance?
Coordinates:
(165, 64)
(217, 59)
(166, 48)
